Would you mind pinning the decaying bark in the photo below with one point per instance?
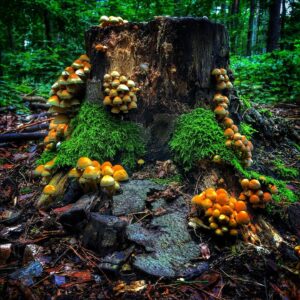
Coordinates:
(170, 59)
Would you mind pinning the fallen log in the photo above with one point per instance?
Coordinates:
(36, 127)
(9, 137)
(33, 98)
(39, 106)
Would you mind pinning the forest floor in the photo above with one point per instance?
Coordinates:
(40, 260)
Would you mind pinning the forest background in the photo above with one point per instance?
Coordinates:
(40, 37)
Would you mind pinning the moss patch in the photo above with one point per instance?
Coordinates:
(283, 171)
(284, 194)
(101, 136)
(198, 136)
(247, 130)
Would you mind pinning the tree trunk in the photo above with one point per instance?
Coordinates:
(250, 27)
(170, 59)
(47, 26)
(274, 25)
(283, 18)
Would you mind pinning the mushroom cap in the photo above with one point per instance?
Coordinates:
(233, 232)
(106, 163)
(123, 79)
(228, 122)
(245, 183)
(216, 72)
(117, 168)
(77, 64)
(74, 173)
(132, 105)
(53, 100)
(50, 164)
(64, 94)
(80, 72)
(273, 189)
(84, 57)
(254, 199)
(107, 170)
(49, 189)
(38, 170)
(104, 19)
(222, 198)
(140, 161)
(123, 108)
(115, 83)
(220, 111)
(240, 205)
(242, 218)
(234, 128)
(107, 101)
(115, 74)
(117, 186)
(211, 194)
(197, 199)
(254, 184)
(226, 210)
(74, 79)
(91, 172)
(107, 181)
(83, 162)
(130, 83)
(229, 132)
(120, 175)
(107, 78)
(113, 93)
(223, 71)
(117, 100)
(115, 110)
(61, 119)
(267, 197)
(206, 203)
(96, 164)
(123, 88)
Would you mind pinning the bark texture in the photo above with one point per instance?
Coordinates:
(170, 59)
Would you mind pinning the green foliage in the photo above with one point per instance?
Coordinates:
(284, 194)
(45, 157)
(101, 136)
(247, 130)
(168, 180)
(198, 136)
(269, 78)
(266, 112)
(282, 170)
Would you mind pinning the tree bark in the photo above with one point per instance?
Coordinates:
(10, 137)
(274, 25)
(170, 59)
(250, 28)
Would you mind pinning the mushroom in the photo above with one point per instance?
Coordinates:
(120, 175)
(83, 162)
(49, 190)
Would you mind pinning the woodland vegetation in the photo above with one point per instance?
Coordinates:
(145, 171)
(40, 37)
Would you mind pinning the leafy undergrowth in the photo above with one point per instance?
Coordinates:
(100, 136)
(269, 78)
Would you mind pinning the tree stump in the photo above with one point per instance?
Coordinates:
(170, 59)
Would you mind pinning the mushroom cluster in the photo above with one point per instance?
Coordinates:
(93, 175)
(222, 79)
(120, 93)
(225, 214)
(108, 21)
(257, 193)
(45, 171)
(64, 99)
(297, 250)
(235, 140)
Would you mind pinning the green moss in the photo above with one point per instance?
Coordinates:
(283, 171)
(101, 136)
(198, 136)
(247, 130)
(45, 157)
(284, 194)
(168, 180)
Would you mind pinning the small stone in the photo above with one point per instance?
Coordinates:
(104, 233)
